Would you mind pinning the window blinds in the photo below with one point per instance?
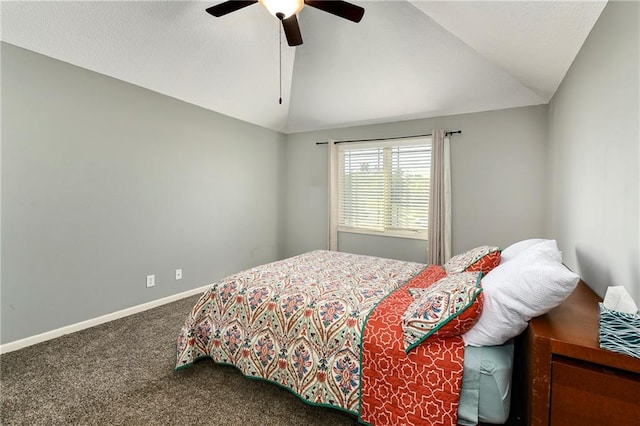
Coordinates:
(384, 187)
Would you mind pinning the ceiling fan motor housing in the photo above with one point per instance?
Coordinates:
(286, 11)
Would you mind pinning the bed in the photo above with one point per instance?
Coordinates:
(352, 332)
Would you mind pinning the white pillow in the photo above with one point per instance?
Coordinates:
(527, 286)
(516, 249)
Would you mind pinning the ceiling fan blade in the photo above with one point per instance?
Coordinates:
(292, 31)
(229, 6)
(342, 9)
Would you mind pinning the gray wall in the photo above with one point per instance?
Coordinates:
(499, 174)
(104, 183)
(595, 155)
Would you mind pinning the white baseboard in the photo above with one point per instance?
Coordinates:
(43, 337)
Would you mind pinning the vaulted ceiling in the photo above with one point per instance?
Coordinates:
(404, 60)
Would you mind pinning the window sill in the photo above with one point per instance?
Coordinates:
(395, 234)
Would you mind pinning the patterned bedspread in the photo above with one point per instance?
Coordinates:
(296, 322)
(421, 387)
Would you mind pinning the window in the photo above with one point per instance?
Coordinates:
(383, 187)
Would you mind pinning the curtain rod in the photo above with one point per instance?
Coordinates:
(453, 132)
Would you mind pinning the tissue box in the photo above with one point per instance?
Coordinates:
(619, 331)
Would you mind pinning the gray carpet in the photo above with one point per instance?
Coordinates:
(121, 373)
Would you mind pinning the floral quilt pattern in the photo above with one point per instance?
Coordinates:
(296, 322)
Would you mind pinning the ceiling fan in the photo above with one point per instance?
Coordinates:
(286, 11)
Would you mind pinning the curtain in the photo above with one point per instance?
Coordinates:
(332, 242)
(439, 244)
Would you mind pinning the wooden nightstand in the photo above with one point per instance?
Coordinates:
(569, 379)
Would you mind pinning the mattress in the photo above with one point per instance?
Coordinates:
(486, 384)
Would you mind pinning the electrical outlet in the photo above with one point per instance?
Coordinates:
(179, 274)
(151, 280)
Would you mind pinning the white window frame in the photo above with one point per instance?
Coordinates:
(385, 229)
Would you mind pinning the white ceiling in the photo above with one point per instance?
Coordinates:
(404, 60)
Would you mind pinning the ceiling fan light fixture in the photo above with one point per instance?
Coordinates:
(286, 8)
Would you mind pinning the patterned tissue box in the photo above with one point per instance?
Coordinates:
(619, 331)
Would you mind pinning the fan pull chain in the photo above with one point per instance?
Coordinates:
(280, 60)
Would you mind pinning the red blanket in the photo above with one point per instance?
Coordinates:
(419, 388)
